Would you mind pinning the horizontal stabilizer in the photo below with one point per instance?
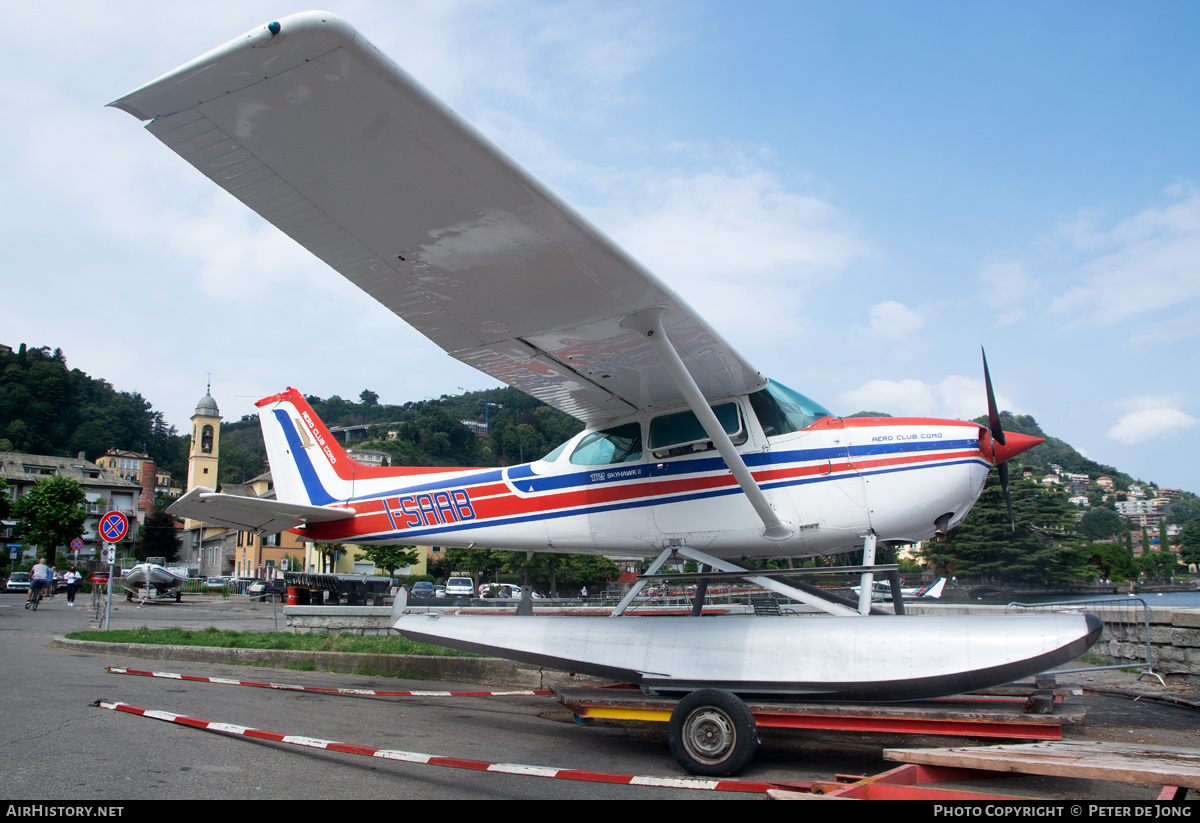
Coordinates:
(255, 514)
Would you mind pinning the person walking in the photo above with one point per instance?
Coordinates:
(73, 579)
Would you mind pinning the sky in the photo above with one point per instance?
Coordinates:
(857, 195)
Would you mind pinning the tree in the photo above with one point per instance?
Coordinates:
(1100, 523)
(368, 398)
(330, 552)
(479, 562)
(158, 537)
(985, 544)
(390, 557)
(1114, 561)
(51, 514)
(1189, 542)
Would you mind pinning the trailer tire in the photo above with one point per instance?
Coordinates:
(712, 733)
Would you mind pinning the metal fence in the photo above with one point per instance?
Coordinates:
(1124, 641)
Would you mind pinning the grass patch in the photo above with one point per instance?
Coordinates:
(285, 641)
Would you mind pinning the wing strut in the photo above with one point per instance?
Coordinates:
(649, 324)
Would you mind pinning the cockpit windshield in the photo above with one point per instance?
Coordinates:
(781, 410)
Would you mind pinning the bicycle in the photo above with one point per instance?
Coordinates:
(34, 598)
(99, 598)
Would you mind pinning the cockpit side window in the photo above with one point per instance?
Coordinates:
(557, 453)
(680, 433)
(620, 444)
(781, 410)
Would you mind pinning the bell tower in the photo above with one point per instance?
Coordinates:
(205, 446)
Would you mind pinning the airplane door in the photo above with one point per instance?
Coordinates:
(696, 497)
(603, 489)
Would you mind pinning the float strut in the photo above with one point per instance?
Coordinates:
(866, 583)
(701, 592)
(641, 584)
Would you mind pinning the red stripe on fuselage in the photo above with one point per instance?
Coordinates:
(494, 501)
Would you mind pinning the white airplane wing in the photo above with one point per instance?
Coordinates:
(257, 514)
(311, 126)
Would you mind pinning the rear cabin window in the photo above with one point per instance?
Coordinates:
(620, 444)
(672, 435)
(781, 410)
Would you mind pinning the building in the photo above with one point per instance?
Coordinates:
(368, 457)
(351, 561)
(131, 465)
(104, 490)
(263, 556)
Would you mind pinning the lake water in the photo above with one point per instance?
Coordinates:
(1167, 600)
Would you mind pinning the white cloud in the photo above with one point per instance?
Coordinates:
(894, 321)
(954, 397)
(899, 398)
(1007, 288)
(1150, 418)
(1148, 263)
(471, 51)
(733, 240)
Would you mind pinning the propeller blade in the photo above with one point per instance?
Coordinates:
(1003, 470)
(993, 413)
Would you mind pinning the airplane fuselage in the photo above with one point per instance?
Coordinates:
(617, 490)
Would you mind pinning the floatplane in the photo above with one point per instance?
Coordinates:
(688, 451)
(883, 592)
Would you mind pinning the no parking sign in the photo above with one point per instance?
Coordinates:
(113, 527)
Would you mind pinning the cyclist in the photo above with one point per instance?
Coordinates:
(39, 577)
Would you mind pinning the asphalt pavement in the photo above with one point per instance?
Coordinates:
(59, 746)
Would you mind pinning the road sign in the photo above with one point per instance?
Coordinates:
(76, 544)
(113, 527)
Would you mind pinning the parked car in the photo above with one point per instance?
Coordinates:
(216, 583)
(507, 591)
(459, 587)
(422, 588)
(262, 589)
(18, 582)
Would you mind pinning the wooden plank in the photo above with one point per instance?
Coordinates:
(1120, 762)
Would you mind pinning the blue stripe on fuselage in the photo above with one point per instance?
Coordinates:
(523, 478)
(652, 501)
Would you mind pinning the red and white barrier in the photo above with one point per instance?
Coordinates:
(225, 681)
(749, 786)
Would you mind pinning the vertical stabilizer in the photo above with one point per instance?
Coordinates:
(307, 464)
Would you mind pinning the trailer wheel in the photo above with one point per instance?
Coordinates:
(712, 733)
